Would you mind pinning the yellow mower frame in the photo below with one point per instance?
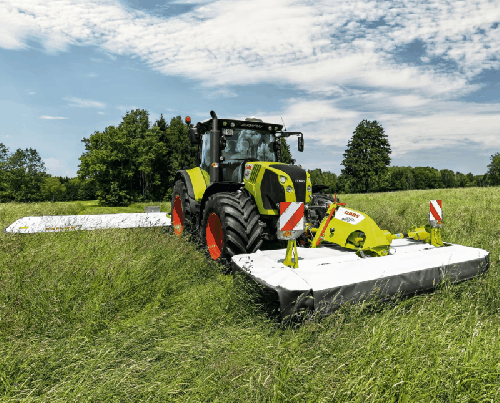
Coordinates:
(355, 230)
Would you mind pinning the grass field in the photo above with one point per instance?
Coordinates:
(140, 315)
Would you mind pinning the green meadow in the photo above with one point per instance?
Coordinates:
(140, 315)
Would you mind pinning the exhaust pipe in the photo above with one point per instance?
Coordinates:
(214, 149)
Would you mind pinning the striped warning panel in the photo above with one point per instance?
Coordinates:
(436, 211)
(291, 216)
(291, 221)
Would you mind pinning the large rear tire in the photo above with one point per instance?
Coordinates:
(230, 226)
(182, 221)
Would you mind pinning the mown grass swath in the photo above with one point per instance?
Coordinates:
(141, 315)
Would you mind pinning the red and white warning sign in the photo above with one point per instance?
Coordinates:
(291, 222)
(436, 213)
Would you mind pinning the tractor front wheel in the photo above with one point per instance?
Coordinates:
(230, 226)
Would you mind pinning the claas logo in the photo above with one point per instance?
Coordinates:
(352, 213)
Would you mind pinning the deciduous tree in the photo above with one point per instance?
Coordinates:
(494, 170)
(52, 189)
(4, 158)
(135, 162)
(448, 178)
(324, 178)
(426, 178)
(461, 180)
(26, 175)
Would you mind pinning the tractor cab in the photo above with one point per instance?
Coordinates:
(233, 143)
(241, 145)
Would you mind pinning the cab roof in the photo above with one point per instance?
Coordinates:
(249, 123)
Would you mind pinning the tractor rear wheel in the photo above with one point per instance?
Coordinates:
(230, 226)
(180, 211)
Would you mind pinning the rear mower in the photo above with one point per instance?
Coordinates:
(343, 270)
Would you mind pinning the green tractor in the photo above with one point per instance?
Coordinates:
(232, 198)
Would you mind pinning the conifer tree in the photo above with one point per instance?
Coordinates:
(367, 157)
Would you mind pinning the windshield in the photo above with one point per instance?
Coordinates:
(247, 144)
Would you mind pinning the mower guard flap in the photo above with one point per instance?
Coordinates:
(334, 275)
(57, 223)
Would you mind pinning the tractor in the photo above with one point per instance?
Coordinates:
(231, 200)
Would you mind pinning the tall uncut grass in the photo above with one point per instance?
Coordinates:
(140, 315)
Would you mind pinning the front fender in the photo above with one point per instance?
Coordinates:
(195, 181)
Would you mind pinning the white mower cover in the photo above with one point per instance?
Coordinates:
(54, 223)
(331, 275)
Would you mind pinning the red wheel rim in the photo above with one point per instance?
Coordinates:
(177, 216)
(214, 236)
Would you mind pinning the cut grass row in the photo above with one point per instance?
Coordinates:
(140, 315)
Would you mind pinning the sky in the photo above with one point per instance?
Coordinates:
(427, 71)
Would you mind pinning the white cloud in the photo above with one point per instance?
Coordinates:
(189, 1)
(92, 75)
(84, 103)
(58, 167)
(52, 117)
(430, 126)
(329, 50)
(31, 93)
(220, 93)
(312, 44)
(54, 163)
(100, 113)
(126, 108)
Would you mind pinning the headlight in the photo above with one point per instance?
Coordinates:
(309, 189)
(282, 179)
(289, 189)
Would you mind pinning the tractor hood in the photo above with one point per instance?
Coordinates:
(298, 177)
(272, 183)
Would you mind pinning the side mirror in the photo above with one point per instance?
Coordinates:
(194, 138)
(301, 142)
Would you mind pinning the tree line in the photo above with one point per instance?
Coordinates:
(402, 178)
(23, 179)
(136, 161)
(366, 168)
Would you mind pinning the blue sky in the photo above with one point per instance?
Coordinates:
(427, 71)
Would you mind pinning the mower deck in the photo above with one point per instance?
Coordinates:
(58, 223)
(330, 276)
